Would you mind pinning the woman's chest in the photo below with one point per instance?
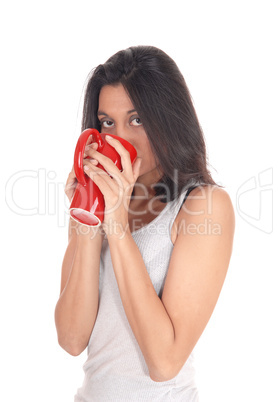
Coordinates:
(143, 214)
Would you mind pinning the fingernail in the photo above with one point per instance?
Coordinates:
(108, 137)
(87, 148)
(86, 167)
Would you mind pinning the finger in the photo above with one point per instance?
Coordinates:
(123, 152)
(88, 148)
(71, 175)
(70, 187)
(106, 162)
(89, 140)
(89, 162)
(136, 168)
(106, 184)
(90, 168)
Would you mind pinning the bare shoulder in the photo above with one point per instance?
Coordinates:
(207, 209)
(208, 200)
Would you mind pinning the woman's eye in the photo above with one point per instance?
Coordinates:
(106, 123)
(136, 122)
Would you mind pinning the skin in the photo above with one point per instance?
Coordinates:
(166, 329)
(117, 116)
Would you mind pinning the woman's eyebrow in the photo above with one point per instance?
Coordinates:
(100, 112)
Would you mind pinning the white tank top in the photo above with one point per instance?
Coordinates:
(115, 369)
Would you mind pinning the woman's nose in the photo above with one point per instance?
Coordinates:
(123, 132)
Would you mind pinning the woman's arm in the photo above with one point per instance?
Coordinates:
(168, 329)
(77, 306)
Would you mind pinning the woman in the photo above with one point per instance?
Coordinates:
(139, 290)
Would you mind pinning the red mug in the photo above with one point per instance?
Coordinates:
(87, 205)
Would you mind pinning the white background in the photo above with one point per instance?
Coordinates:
(227, 51)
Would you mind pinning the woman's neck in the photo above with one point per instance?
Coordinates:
(144, 186)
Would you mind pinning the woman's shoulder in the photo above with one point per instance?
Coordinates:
(206, 208)
(207, 199)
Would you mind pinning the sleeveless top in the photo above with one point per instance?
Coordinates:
(115, 369)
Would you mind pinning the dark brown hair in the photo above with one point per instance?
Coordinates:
(161, 98)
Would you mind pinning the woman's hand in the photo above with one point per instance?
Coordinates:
(71, 180)
(115, 185)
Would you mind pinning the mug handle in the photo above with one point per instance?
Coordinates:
(79, 151)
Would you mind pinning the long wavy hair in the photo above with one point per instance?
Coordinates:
(161, 98)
